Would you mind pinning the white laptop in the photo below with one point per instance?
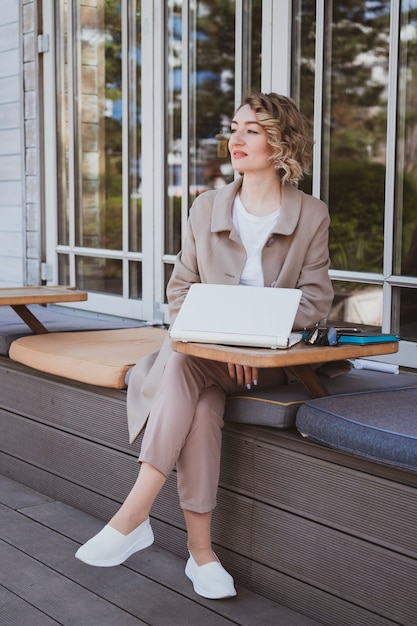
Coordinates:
(260, 317)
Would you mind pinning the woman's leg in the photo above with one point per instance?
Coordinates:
(129, 531)
(198, 469)
(199, 536)
(184, 384)
(203, 568)
(137, 506)
(168, 428)
(198, 465)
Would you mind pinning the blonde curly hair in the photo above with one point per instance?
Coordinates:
(287, 131)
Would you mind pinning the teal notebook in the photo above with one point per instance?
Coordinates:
(364, 337)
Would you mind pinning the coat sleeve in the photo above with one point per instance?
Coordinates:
(184, 274)
(314, 280)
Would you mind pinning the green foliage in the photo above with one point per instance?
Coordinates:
(356, 204)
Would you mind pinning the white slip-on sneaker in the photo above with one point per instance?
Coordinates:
(210, 580)
(110, 547)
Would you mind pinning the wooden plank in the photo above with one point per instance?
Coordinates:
(46, 573)
(337, 529)
(294, 555)
(55, 595)
(40, 295)
(292, 592)
(297, 359)
(375, 509)
(261, 464)
(168, 569)
(19, 297)
(300, 354)
(14, 610)
(136, 587)
(27, 316)
(35, 395)
(309, 379)
(329, 610)
(359, 572)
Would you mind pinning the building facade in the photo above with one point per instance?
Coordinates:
(114, 115)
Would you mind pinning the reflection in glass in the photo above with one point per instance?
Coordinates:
(405, 255)
(167, 275)
(210, 104)
(407, 327)
(356, 43)
(357, 303)
(62, 124)
(253, 20)
(135, 127)
(63, 269)
(99, 211)
(211, 79)
(99, 275)
(135, 280)
(211, 94)
(304, 70)
(174, 173)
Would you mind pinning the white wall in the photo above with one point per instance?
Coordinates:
(12, 252)
(32, 153)
(20, 233)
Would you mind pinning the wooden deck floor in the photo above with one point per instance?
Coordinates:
(41, 582)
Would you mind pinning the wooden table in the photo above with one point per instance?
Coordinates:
(20, 297)
(297, 359)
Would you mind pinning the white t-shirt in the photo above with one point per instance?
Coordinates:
(253, 232)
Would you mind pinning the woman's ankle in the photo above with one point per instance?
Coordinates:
(125, 524)
(201, 555)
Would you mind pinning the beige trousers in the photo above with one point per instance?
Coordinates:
(185, 425)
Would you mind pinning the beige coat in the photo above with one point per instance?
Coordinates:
(295, 255)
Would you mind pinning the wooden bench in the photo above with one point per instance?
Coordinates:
(320, 531)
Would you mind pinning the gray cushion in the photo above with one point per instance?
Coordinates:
(278, 406)
(378, 425)
(62, 320)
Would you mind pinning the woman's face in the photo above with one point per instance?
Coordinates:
(248, 144)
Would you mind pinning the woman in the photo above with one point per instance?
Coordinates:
(258, 230)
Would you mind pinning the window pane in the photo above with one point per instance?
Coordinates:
(254, 38)
(407, 300)
(99, 275)
(62, 123)
(135, 280)
(356, 40)
(355, 153)
(63, 269)
(210, 104)
(357, 303)
(211, 93)
(99, 145)
(405, 256)
(167, 274)
(135, 120)
(303, 71)
(173, 129)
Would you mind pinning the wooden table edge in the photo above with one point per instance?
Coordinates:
(46, 295)
(300, 354)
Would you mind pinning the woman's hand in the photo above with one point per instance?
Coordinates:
(244, 375)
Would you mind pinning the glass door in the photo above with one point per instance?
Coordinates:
(99, 155)
(355, 75)
(144, 96)
(205, 65)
